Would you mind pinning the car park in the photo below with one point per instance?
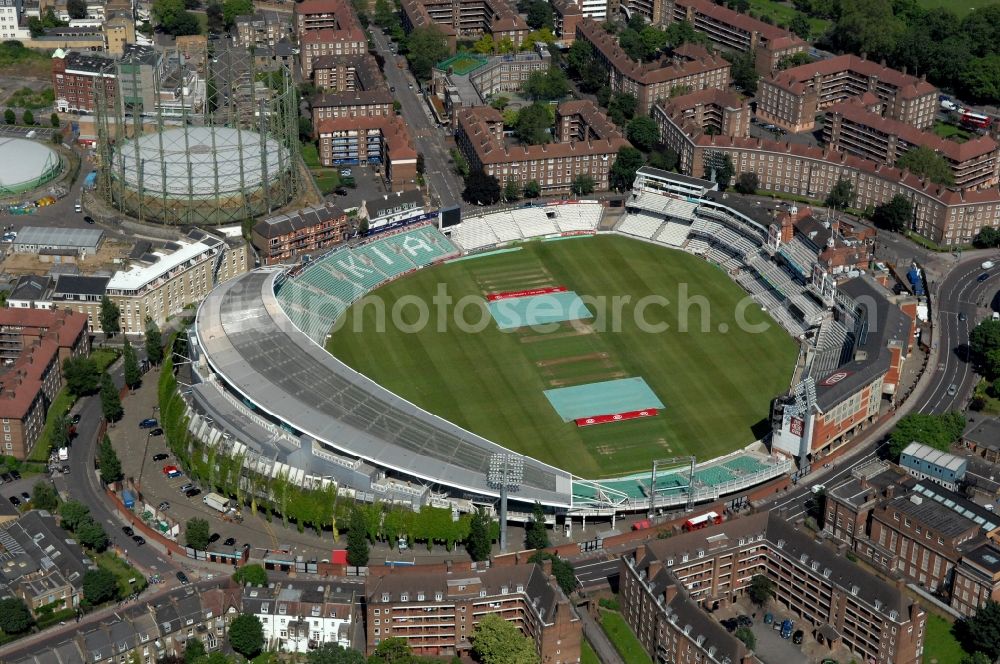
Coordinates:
(128, 531)
(156, 432)
(230, 541)
(182, 577)
(160, 457)
(148, 423)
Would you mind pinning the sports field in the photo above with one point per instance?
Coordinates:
(716, 385)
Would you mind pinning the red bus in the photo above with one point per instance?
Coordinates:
(976, 120)
(703, 521)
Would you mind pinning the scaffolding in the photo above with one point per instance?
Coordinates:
(197, 138)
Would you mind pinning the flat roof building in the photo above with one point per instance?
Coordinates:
(927, 463)
(36, 239)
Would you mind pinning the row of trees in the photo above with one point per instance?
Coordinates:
(984, 348)
(27, 118)
(937, 431)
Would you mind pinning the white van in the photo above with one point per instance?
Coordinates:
(987, 265)
(78, 207)
(995, 316)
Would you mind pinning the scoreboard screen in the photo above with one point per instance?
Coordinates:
(451, 216)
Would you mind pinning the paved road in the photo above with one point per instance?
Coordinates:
(959, 293)
(595, 572)
(429, 139)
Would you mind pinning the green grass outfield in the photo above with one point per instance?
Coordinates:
(716, 386)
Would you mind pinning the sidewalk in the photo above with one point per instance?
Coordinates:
(598, 639)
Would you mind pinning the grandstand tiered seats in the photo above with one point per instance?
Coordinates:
(533, 222)
(680, 209)
(577, 217)
(475, 234)
(385, 258)
(422, 246)
(697, 246)
(800, 254)
(504, 227)
(673, 233)
(640, 224)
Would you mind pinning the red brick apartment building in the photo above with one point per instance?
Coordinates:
(792, 98)
(437, 613)
(666, 584)
(920, 531)
(856, 128)
(725, 28)
(587, 143)
(33, 344)
(689, 70)
(285, 237)
(383, 141)
(352, 87)
(461, 19)
(75, 78)
(327, 27)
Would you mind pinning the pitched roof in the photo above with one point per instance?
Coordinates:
(283, 224)
(394, 132)
(906, 86)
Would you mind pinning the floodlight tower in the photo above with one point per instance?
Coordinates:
(506, 473)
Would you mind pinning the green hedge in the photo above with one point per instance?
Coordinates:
(57, 410)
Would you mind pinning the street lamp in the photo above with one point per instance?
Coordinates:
(506, 473)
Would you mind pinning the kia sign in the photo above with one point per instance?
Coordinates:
(835, 378)
(796, 426)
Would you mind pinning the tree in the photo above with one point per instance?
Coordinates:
(925, 163)
(233, 8)
(479, 543)
(627, 162)
(44, 496)
(987, 238)
(485, 44)
(99, 586)
(216, 17)
(111, 403)
(866, 26)
(194, 650)
(14, 616)
(747, 183)
(562, 569)
(582, 185)
(533, 124)
(62, 432)
(28, 117)
(539, 15)
(841, 195)
(357, 540)
(481, 189)
(111, 317)
(154, 342)
(621, 108)
(91, 534)
(761, 589)
(980, 79)
(246, 635)
(196, 533)
(54, 120)
(9, 116)
(643, 132)
(305, 129)
(76, 8)
(511, 190)
(81, 374)
(976, 658)
(253, 574)
(937, 431)
(665, 159)
(895, 215)
(532, 189)
(546, 85)
(683, 32)
(744, 72)
(107, 459)
(72, 513)
(496, 641)
(334, 653)
(131, 369)
(392, 651)
(800, 25)
(536, 536)
(721, 173)
(981, 632)
(983, 340)
(426, 46)
(745, 635)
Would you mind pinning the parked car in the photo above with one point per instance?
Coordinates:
(165, 505)
(172, 471)
(340, 191)
(15, 501)
(729, 624)
(798, 636)
(15, 474)
(89, 219)
(148, 423)
(191, 493)
(230, 541)
(128, 531)
(214, 537)
(6, 477)
(138, 539)
(185, 487)
(76, 418)
(160, 457)
(963, 316)
(64, 470)
(25, 496)
(182, 577)
(156, 432)
(768, 618)
(744, 621)
(786, 628)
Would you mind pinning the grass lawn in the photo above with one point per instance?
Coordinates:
(960, 7)
(60, 406)
(587, 654)
(492, 382)
(951, 131)
(623, 638)
(783, 13)
(327, 179)
(992, 405)
(104, 357)
(123, 572)
(940, 647)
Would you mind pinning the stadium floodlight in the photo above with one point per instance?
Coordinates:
(506, 473)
